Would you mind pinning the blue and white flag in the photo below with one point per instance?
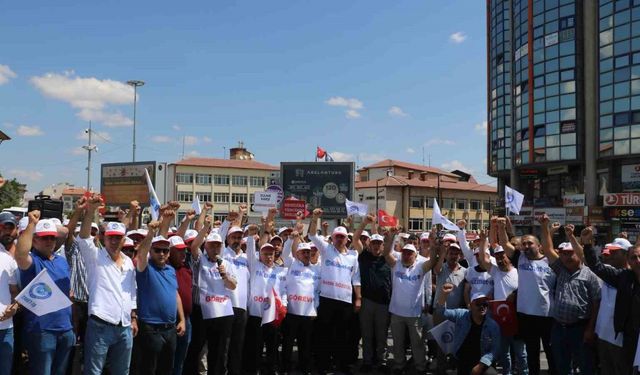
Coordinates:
(513, 200)
(443, 334)
(355, 208)
(42, 296)
(196, 204)
(154, 203)
(439, 218)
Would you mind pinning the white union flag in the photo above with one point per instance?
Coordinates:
(42, 296)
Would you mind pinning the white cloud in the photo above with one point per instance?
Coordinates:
(371, 158)
(24, 174)
(458, 37)
(29, 131)
(190, 140)
(397, 111)
(97, 137)
(341, 156)
(481, 127)
(409, 150)
(91, 96)
(438, 141)
(193, 153)
(352, 105)
(456, 164)
(6, 74)
(176, 127)
(207, 140)
(161, 139)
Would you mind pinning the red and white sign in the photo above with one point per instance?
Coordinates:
(291, 207)
(622, 199)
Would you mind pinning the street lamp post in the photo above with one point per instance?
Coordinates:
(135, 84)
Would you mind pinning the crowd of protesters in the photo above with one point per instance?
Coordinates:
(236, 298)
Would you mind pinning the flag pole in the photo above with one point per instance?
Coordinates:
(317, 153)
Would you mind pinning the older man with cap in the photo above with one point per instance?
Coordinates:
(476, 339)
(339, 294)
(112, 297)
(375, 278)
(407, 302)
(158, 302)
(49, 337)
(575, 307)
(184, 276)
(212, 315)
(268, 281)
(8, 292)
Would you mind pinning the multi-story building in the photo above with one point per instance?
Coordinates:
(69, 198)
(407, 191)
(55, 190)
(225, 182)
(564, 101)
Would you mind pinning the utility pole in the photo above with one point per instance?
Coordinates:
(135, 84)
(90, 148)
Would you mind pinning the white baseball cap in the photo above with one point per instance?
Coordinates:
(158, 239)
(303, 246)
(455, 246)
(410, 247)
(283, 229)
(115, 228)
(276, 238)
(95, 226)
(267, 246)
(477, 295)
(449, 237)
(565, 246)
(22, 224)
(424, 236)
(365, 234)
(623, 243)
(128, 242)
(377, 237)
(498, 249)
(214, 237)
(177, 242)
(342, 231)
(190, 235)
(46, 227)
(233, 230)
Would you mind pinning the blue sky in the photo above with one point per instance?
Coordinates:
(365, 79)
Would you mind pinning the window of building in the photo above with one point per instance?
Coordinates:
(203, 179)
(185, 196)
(204, 197)
(184, 178)
(475, 225)
(415, 224)
(416, 202)
(429, 201)
(448, 203)
(220, 217)
(486, 205)
(238, 198)
(257, 181)
(239, 180)
(221, 197)
(474, 204)
(221, 179)
(461, 204)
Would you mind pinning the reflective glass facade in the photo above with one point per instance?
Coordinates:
(500, 64)
(619, 80)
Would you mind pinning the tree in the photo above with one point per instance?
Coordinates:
(11, 193)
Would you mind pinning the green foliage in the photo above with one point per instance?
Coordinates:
(10, 194)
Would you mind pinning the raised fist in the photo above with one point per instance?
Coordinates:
(555, 227)
(317, 213)
(153, 225)
(325, 225)
(169, 213)
(208, 205)
(174, 205)
(243, 208)
(94, 202)
(34, 217)
(81, 204)
(191, 214)
(461, 224)
(543, 219)
(586, 236)
(233, 216)
(370, 219)
(272, 212)
(568, 230)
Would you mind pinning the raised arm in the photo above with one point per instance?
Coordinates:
(325, 228)
(388, 247)
(503, 238)
(267, 230)
(184, 225)
(608, 274)
(142, 255)
(208, 207)
(577, 248)
(493, 231)
(357, 244)
(25, 241)
(242, 215)
(313, 222)
(433, 256)
(320, 243)
(547, 240)
(93, 203)
(80, 206)
(484, 260)
(134, 214)
(199, 240)
(461, 236)
(442, 253)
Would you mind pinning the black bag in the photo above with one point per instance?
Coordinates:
(49, 208)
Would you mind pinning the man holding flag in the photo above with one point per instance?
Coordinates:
(50, 336)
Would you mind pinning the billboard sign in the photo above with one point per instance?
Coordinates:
(622, 199)
(120, 183)
(325, 185)
(630, 177)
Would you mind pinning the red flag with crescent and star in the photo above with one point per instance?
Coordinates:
(386, 220)
(504, 313)
(320, 153)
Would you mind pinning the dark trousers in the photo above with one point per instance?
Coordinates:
(569, 349)
(297, 328)
(334, 318)
(217, 334)
(532, 329)
(80, 316)
(236, 346)
(259, 336)
(157, 345)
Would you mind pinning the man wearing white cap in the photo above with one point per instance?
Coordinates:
(302, 286)
(268, 282)
(375, 278)
(576, 298)
(158, 302)
(184, 276)
(339, 294)
(112, 297)
(212, 314)
(35, 252)
(476, 339)
(407, 302)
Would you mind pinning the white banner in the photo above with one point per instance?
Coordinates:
(196, 204)
(42, 296)
(264, 200)
(154, 203)
(443, 334)
(438, 218)
(513, 200)
(355, 208)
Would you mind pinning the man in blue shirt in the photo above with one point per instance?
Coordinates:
(476, 339)
(49, 337)
(158, 302)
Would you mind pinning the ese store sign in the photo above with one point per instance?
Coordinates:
(624, 214)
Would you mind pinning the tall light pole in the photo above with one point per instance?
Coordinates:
(135, 84)
(89, 147)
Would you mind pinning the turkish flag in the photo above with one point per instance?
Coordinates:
(504, 313)
(320, 153)
(386, 220)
